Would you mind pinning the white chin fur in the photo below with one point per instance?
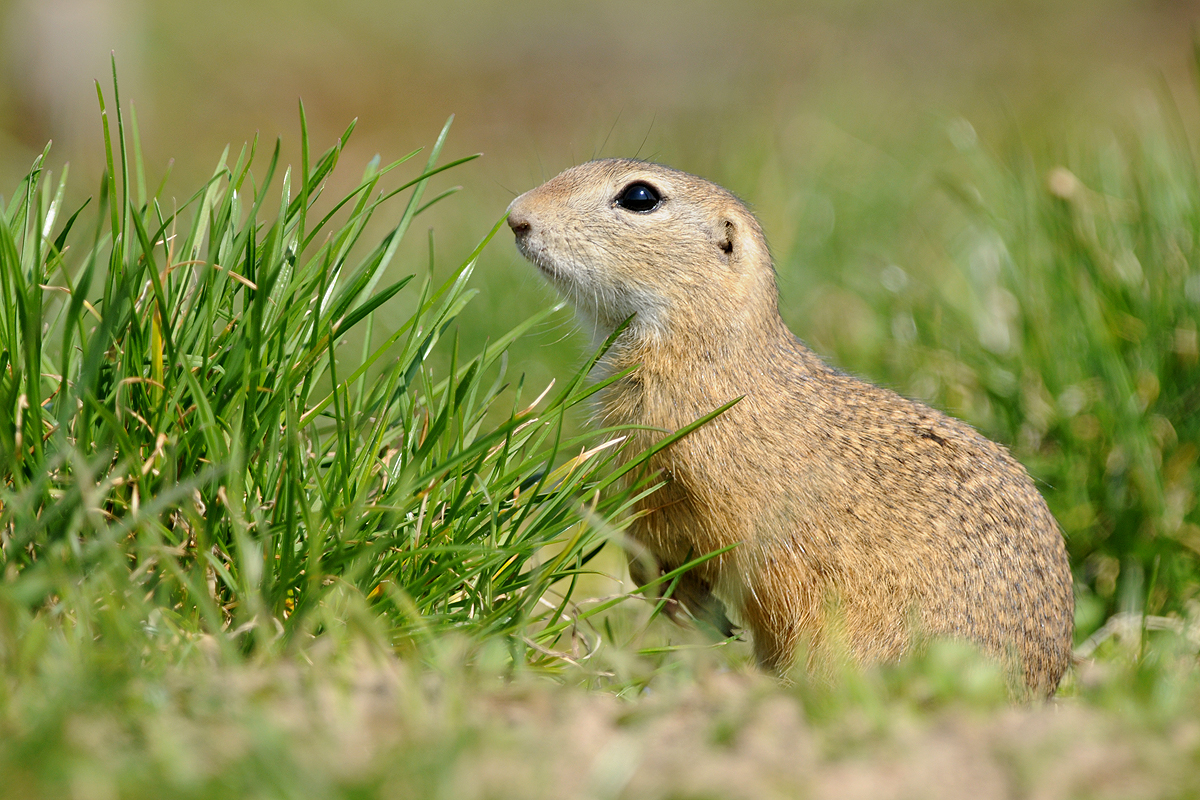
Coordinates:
(599, 307)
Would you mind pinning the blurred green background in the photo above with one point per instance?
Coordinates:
(892, 151)
(828, 117)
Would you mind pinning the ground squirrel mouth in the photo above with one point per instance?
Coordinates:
(533, 256)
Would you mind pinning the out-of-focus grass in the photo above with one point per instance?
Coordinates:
(348, 722)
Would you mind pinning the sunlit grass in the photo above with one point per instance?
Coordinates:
(205, 436)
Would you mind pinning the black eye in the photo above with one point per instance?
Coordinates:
(640, 197)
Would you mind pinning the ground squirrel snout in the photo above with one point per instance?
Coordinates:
(862, 520)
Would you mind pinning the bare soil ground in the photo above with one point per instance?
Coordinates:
(389, 730)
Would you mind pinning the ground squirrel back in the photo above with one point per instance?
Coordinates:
(858, 515)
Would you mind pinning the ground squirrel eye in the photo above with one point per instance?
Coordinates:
(640, 197)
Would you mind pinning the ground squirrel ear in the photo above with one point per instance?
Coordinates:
(726, 234)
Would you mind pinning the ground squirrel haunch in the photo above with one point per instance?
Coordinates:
(859, 515)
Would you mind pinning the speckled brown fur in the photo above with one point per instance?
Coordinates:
(843, 497)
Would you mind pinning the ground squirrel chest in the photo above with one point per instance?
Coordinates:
(858, 515)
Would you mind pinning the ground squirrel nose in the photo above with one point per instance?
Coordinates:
(518, 222)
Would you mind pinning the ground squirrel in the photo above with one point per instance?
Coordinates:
(847, 502)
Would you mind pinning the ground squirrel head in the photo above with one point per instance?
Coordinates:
(623, 238)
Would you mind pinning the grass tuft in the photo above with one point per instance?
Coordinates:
(205, 437)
